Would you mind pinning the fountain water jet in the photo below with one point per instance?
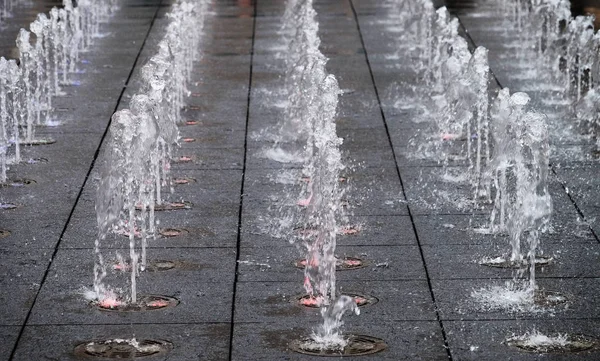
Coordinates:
(138, 154)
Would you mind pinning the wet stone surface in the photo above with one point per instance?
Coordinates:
(218, 252)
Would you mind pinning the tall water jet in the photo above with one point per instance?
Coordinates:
(522, 204)
(303, 42)
(579, 55)
(26, 63)
(310, 120)
(42, 97)
(445, 32)
(478, 74)
(4, 119)
(137, 156)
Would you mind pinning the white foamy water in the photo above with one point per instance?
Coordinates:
(282, 156)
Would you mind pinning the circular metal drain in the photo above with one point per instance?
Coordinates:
(343, 264)
(152, 266)
(6, 206)
(360, 299)
(349, 230)
(36, 160)
(122, 349)
(501, 262)
(172, 232)
(181, 181)
(144, 303)
(358, 345)
(306, 179)
(161, 265)
(173, 206)
(311, 230)
(39, 141)
(17, 182)
(183, 159)
(170, 206)
(575, 343)
(4, 233)
(549, 298)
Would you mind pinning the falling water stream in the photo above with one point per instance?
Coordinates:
(47, 55)
(138, 152)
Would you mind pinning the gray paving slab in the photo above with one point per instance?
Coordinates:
(29, 233)
(275, 301)
(16, 300)
(61, 300)
(20, 267)
(418, 340)
(258, 231)
(8, 339)
(455, 301)
(453, 229)
(569, 260)
(265, 321)
(204, 341)
(486, 340)
(201, 229)
(276, 264)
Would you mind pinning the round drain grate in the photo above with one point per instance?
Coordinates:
(161, 265)
(183, 159)
(559, 344)
(343, 264)
(358, 345)
(122, 349)
(17, 182)
(306, 179)
(144, 303)
(349, 230)
(360, 299)
(36, 160)
(181, 181)
(152, 266)
(310, 230)
(549, 298)
(40, 141)
(501, 262)
(170, 206)
(4, 233)
(6, 206)
(172, 232)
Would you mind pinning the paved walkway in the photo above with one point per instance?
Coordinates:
(237, 280)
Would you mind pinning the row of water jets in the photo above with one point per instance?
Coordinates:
(501, 143)
(497, 143)
(137, 159)
(309, 124)
(561, 53)
(138, 156)
(497, 137)
(46, 61)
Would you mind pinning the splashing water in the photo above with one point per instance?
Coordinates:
(310, 122)
(328, 336)
(138, 154)
(27, 89)
(522, 205)
(510, 297)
